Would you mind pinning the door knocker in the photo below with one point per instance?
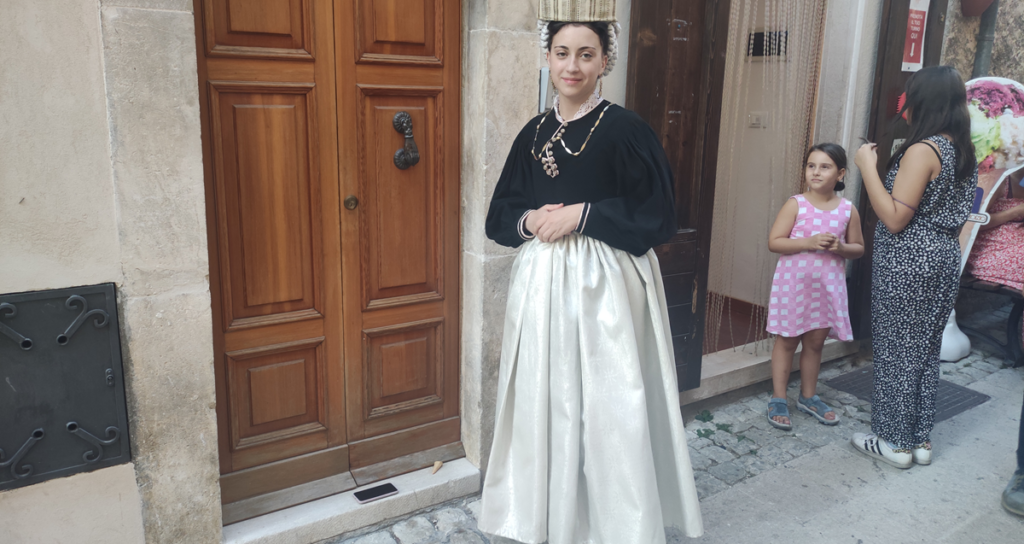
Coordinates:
(407, 155)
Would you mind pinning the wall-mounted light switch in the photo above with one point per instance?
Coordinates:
(757, 119)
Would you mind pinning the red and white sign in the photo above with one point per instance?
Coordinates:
(913, 47)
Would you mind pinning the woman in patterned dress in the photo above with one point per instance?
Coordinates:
(921, 205)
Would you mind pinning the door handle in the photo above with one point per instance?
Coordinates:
(693, 301)
(407, 155)
(351, 202)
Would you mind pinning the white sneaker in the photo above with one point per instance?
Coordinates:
(876, 448)
(922, 454)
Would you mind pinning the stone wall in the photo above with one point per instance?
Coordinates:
(960, 42)
(102, 174)
(1008, 47)
(153, 107)
(501, 60)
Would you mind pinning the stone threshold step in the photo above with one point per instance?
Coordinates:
(736, 368)
(314, 521)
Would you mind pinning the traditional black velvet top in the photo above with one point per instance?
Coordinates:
(623, 173)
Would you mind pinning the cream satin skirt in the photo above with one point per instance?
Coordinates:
(589, 445)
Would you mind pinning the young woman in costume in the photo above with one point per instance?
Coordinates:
(589, 444)
(915, 276)
(815, 232)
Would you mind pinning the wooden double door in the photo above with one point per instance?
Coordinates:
(334, 272)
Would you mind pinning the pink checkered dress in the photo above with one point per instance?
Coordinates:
(809, 288)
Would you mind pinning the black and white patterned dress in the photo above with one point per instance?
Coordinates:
(914, 283)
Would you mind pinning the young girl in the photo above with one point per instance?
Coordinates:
(815, 232)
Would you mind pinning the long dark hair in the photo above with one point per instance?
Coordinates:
(937, 102)
(599, 27)
(834, 152)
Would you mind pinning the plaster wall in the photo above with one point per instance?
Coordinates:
(56, 195)
(500, 88)
(960, 43)
(92, 508)
(59, 229)
(101, 171)
(847, 80)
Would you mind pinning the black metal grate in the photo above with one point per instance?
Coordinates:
(62, 402)
(951, 400)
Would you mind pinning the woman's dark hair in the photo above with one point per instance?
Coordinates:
(834, 152)
(937, 102)
(599, 27)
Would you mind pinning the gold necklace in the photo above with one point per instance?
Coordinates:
(546, 156)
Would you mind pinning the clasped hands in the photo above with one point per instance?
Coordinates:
(552, 221)
(824, 241)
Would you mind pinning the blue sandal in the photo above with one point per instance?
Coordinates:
(817, 409)
(778, 408)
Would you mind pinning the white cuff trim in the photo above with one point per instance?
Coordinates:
(521, 227)
(584, 214)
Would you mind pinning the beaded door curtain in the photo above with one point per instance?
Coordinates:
(783, 40)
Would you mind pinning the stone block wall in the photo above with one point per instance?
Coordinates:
(102, 177)
(153, 108)
(1007, 50)
(501, 59)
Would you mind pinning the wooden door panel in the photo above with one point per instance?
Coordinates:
(402, 368)
(399, 31)
(272, 217)
(267, 186)
(402, 208)
(259, 28)
(679, 287)
(405, 373)
(268, 335)
(676, 73)
(390, 28)
(270, 477)
(275, 396)
(363, 453)
(678, 260)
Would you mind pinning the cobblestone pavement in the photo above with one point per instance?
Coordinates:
(728, 444)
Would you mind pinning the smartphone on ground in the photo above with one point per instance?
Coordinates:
(374, 493)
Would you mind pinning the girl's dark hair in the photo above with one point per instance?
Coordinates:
(937, 102)
(599, 27)
(834, 152)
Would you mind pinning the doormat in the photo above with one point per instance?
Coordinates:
(951, 398)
